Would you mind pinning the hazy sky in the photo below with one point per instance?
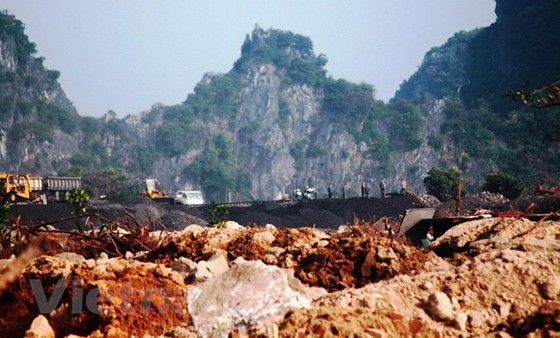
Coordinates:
(127, 55)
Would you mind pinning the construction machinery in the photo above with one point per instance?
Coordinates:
(154, 190)
(17, 188)
(20, 188)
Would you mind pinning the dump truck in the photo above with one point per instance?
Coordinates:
(55, 188)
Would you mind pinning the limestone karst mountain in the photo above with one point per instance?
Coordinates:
(277, 121)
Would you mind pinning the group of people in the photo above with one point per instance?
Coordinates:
(365, 189)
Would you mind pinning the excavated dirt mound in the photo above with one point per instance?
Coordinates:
(121, 283)
(503, 278)
(349, 259)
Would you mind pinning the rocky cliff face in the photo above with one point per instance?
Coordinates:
(37, 121)
(267, 143)
(284, 138)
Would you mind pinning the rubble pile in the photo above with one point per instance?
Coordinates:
(429, 200)
(492, 276)
(476, 203)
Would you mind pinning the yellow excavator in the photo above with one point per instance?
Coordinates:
(16, 188)
(154, 190)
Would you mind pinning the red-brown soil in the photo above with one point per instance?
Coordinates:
(502, 278)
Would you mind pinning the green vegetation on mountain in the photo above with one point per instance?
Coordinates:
(146, 155)
(287, 51)
(279, 113)
(215, 98)
(170, 136)
(478, 122)
(407, 121)
(14, 28)
(473, 129)
(218, 170)
(442, 73)
(52, 116)
(93, 149)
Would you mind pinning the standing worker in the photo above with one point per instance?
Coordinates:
(403, 187)
(343, 192)
(329, 191)
(382, 188)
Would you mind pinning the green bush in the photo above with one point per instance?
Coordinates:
(502, 183)
(475, 129)
(53, 74)
(317, 151)
(217, 98)
(442, 183)
(219, 215)
(17, 133)
(285, 50)
(297, 151)
(441, 73)
(170, 138)
(435, 141)
(348, 100)
(108, 181)
(302, 72)
(78, 198)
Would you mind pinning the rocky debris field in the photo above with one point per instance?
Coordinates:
(130, 275)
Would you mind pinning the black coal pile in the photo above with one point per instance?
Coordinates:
(322, 213)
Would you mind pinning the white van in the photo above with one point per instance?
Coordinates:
(193, 197)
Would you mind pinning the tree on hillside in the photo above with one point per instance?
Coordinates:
(502, 183)
(442, 183)
(109, 181)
